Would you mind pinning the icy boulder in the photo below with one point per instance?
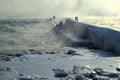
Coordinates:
(69, 32)
(101, 38)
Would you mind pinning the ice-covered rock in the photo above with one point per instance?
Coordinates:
(75, 69)
(98, 37)
(106, 73)
(6, 58)
(50, 52)
(21, 54)
(26, 79)
(60, 73)
(73, 52)
(81, 77)
(118, 68)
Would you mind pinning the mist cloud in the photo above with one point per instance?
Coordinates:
(98, 7)
(61, 8)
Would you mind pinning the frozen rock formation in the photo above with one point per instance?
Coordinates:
(102, 38)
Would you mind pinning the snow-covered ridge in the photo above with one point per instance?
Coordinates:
(102, 38)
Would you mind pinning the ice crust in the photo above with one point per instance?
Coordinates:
(101, 38)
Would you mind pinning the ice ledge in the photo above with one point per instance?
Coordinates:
(101, 38)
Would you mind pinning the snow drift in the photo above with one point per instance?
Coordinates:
(72, 32)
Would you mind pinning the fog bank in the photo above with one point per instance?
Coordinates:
(60, 8)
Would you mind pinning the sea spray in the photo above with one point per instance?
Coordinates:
(20, 34)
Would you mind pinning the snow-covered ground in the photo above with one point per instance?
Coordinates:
(39, 65)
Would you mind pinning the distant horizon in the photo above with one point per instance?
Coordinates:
(11, 17)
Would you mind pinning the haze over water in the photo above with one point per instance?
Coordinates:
(60, 8)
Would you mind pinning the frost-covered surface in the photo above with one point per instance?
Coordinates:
(38, 66)
(102, 38)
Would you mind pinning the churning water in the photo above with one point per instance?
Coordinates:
(25, 34)
(20, 34)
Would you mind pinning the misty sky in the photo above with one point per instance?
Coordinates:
(61, 8)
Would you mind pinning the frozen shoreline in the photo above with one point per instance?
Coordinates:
(36, 65)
